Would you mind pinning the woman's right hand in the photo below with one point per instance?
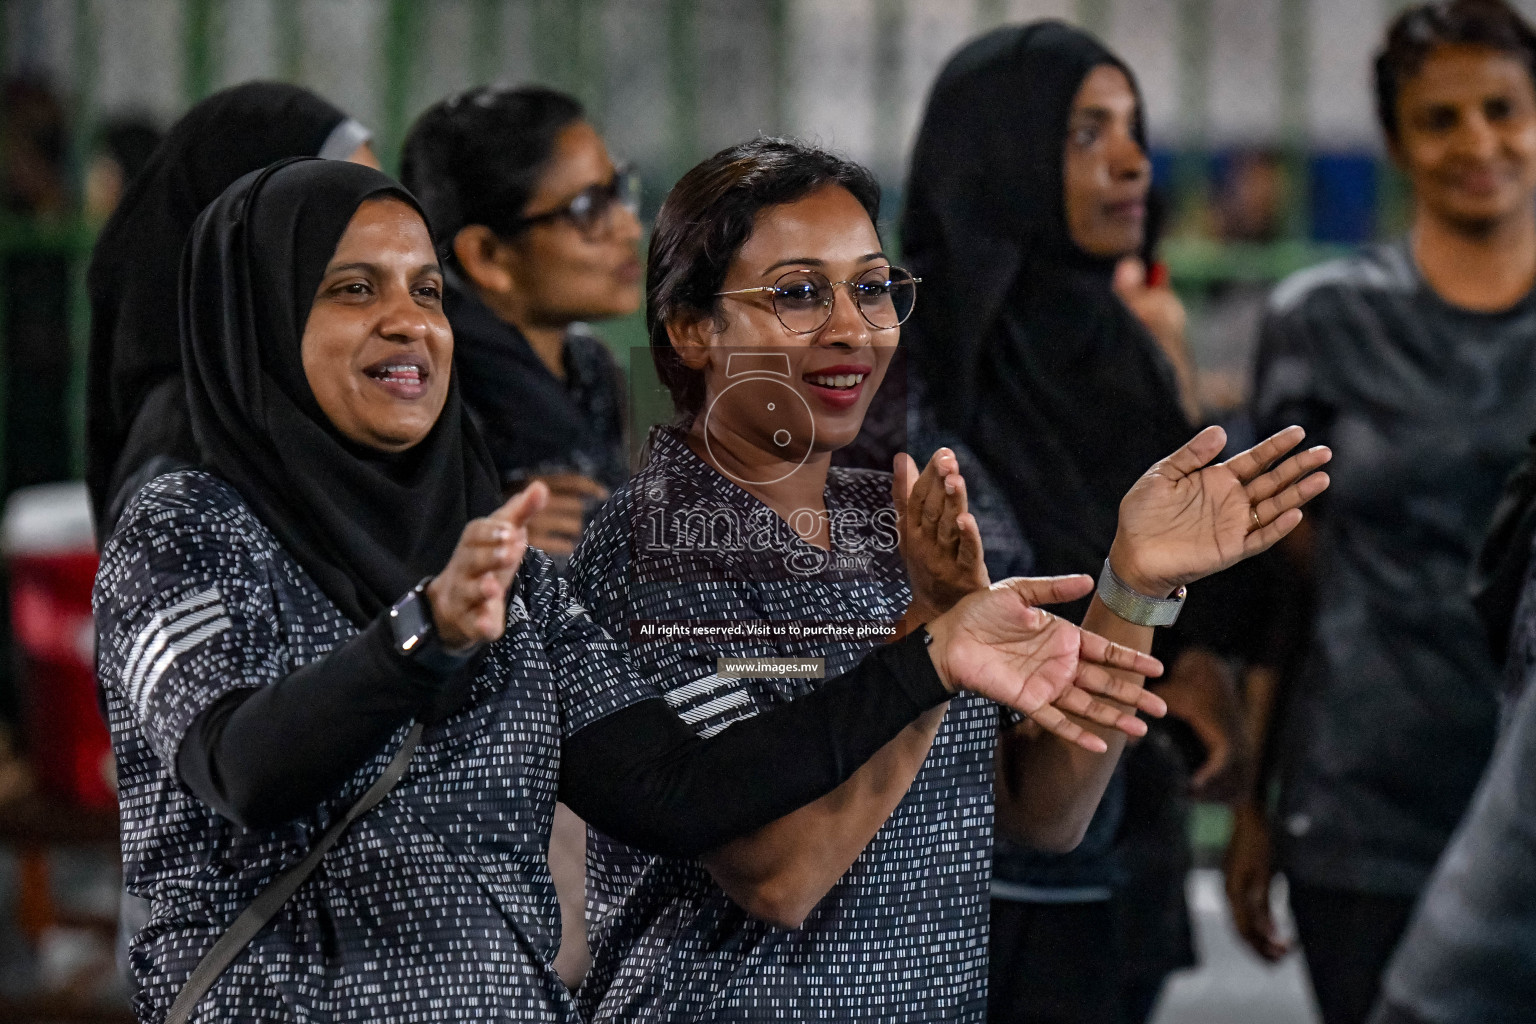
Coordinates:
(940, 541)
(469, 597)
(999, 644)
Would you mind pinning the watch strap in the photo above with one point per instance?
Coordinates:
(416, 636)
(1136, 607)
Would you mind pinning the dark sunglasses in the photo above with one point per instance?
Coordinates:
(590, 209)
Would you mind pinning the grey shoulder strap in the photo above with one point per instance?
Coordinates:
(271, 899)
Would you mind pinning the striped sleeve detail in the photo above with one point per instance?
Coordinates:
(169, 634)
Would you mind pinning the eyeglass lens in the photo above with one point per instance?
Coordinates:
(590, 209)
(884, 296)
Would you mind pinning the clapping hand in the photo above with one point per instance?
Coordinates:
(469, 597)
(1186, 518)
(940, 541)
(998, 643)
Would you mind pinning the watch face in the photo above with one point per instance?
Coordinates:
(408, 622)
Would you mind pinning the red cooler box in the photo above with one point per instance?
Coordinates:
(48, 546)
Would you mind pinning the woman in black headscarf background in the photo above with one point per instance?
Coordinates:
(1025, 349)
(1042, 352)
(136, 421)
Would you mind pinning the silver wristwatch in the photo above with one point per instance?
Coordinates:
(1136, 607)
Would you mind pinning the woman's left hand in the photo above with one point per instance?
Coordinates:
(940, 541)
(999, 643)
(1185, 519)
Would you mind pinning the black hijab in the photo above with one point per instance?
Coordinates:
(135, 408)
(1027, 354)
(365, 525)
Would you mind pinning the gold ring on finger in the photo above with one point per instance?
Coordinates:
(1253, 513)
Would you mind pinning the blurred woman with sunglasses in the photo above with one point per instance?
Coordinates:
(541, 235)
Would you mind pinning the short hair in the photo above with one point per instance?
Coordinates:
(477, 156)
(1418, 31)
(706, 219)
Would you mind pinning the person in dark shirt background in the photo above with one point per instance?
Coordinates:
(1416, 361)
(540, 234)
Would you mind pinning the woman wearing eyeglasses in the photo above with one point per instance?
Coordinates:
(742, 566)
(541, 237)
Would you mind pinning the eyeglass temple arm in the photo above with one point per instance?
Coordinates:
(748, 291)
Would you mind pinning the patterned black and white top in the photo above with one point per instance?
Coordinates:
(903, 935)
(435, 906)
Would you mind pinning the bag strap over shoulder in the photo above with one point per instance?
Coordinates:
(271, 899)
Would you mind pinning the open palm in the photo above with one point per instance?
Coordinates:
(999, 644)
(1185, 518)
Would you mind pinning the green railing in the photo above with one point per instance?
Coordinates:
(1198, 262)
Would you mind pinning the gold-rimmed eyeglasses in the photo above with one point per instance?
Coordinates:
(802, 299)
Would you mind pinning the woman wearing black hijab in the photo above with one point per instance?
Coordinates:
(136, 425)
(265, 646)
(1021, 340)
(1029, 187)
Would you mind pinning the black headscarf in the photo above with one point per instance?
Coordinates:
(1027, 354)
(135, 410)
(365, 525)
